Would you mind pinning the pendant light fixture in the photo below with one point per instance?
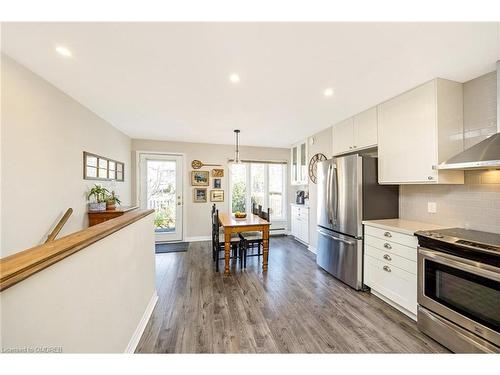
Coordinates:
(237, 151)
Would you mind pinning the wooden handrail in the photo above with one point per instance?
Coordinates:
(19, 266)
(52, 236)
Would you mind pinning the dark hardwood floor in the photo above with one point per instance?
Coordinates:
(295, 308)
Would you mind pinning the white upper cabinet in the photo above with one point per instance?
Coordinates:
(419, 129)
(355, 133)
(299, 166)
(343, 136)
(365, 129)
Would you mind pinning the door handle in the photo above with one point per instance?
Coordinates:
(387, 246)
(335, 238)
(387, 257)
(466, 265)
(336, 197)
(387, 268)
(388, 234)
(328, 193)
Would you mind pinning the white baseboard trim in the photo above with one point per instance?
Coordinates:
(299, 240)
(312, 249)
(278, 232)
(134, 341)
(197, 239)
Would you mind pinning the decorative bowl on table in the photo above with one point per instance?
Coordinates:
(240, 215)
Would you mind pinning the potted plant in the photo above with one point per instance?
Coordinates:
(111, 201)
(97, 198)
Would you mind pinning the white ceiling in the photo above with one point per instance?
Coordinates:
(170, 80)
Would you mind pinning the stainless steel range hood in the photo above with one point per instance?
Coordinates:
(485, 154)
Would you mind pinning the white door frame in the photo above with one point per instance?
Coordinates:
(138, 154)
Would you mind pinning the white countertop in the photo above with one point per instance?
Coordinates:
(402, 226)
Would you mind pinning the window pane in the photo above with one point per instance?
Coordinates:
(111, 165)
(161, 194)
(276, 172)
(91, 172)
(103, 173)
(119, 167)
(276, 205)
(103, 163)
(238, 187)
(276, 177)
(257, 172)
(91, 161)
(119, 176)
(112, 175)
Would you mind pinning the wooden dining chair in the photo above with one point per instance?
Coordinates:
(218, 242)
(251, 239)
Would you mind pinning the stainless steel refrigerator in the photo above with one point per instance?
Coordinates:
(348, 193)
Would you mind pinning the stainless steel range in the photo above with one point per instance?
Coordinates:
(459, 289)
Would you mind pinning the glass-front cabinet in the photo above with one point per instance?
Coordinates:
(298, 164)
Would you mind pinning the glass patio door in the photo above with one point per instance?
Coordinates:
(161, 189)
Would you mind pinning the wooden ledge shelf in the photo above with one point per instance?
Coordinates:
(19, 266)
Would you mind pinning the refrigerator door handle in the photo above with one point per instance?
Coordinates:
(336, 197)
(328, 194)
(335, 238)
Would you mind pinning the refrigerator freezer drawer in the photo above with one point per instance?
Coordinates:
(340, 256)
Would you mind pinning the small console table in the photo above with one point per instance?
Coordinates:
(97, 217)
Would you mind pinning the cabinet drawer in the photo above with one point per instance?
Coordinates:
(404, 251)
(403, 239)
(300, 211)
(304, 213)
(397, 285)
(392, 259)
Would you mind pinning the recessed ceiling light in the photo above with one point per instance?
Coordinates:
(63, 51)
(328, 92)
(234, 78)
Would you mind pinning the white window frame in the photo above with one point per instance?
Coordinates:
(248, 197)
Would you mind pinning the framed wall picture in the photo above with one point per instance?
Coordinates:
(199, 195)
(199, 178)
(216, 183)
(217, 172)
(216, 195)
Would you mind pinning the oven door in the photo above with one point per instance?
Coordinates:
(461, 290)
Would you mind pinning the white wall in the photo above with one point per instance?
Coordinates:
(43, 135)
(90, 302)
(197, 215)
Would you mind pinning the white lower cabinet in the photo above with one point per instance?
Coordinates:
(299, 227)
(390, 268)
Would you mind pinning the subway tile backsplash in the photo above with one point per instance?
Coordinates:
(473, 206)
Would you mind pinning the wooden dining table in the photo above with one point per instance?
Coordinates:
(252, 223)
